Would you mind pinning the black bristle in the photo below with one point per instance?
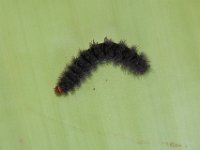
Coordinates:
(87, 60)
(98, 52)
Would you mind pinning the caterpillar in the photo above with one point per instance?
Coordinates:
(88, 60)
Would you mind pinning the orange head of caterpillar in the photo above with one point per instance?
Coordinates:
(58, 90)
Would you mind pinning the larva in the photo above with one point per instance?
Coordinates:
(87, 60)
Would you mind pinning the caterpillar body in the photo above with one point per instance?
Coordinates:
(87, 60)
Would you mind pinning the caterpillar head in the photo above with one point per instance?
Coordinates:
(58, 90)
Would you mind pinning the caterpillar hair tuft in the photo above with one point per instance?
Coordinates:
(87, 60)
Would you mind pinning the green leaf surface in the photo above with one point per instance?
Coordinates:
(112, 110)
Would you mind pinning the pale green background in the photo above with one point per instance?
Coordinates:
(159, 111)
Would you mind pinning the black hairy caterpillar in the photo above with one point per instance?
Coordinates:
(81, 66)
